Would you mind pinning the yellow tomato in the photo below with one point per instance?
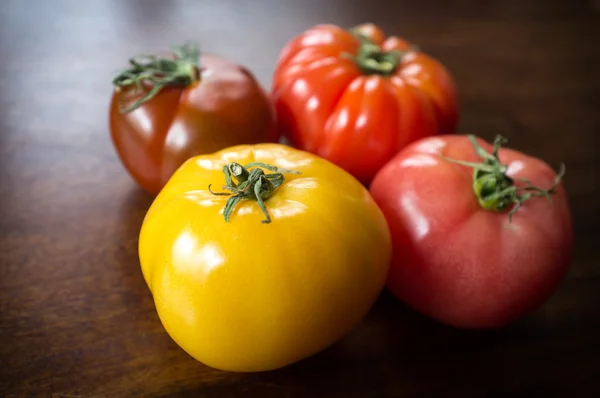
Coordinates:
(245, 295)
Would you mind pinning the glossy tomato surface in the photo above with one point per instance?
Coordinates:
(225, 107)
(457, 262)
(356, 117)
(244, 295)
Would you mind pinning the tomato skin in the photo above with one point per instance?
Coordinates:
(457, 262)
(247, 296)
(326, 105)
(226, 107)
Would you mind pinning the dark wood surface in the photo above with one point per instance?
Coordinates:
(77, 320)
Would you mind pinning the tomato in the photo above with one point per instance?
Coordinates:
(356, 97)
(248, 285)
(475, 244)
(165, 110)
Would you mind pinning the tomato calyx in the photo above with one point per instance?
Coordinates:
(494, 189)
(371, 59)
(252, 184)
(181, 70)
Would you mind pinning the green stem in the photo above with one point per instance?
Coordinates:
(251, 183)
(158, 72)
(238, 171)
(494, 189)
(371, 59)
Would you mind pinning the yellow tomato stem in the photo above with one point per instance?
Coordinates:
(238, 171)
(251, 183)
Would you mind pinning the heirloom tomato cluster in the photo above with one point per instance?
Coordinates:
(259, 254)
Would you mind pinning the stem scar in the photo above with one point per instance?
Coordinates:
(494, 189)
(250, 182)
(181, 71)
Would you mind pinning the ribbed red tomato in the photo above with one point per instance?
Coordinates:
(477, 242)
(355, 97)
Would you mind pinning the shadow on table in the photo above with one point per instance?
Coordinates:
(398, 352)
(394, 352)
(132, 212)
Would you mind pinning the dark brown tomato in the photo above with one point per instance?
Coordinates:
(222, 106)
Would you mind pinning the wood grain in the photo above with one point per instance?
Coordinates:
(76, 318)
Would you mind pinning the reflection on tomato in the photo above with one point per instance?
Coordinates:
(477, 241)
(245, 288)
(166, 110)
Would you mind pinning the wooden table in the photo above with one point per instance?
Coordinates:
(76, 318)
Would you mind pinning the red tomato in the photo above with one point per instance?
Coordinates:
(201, 105)
(356, 98)
(458, 257)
